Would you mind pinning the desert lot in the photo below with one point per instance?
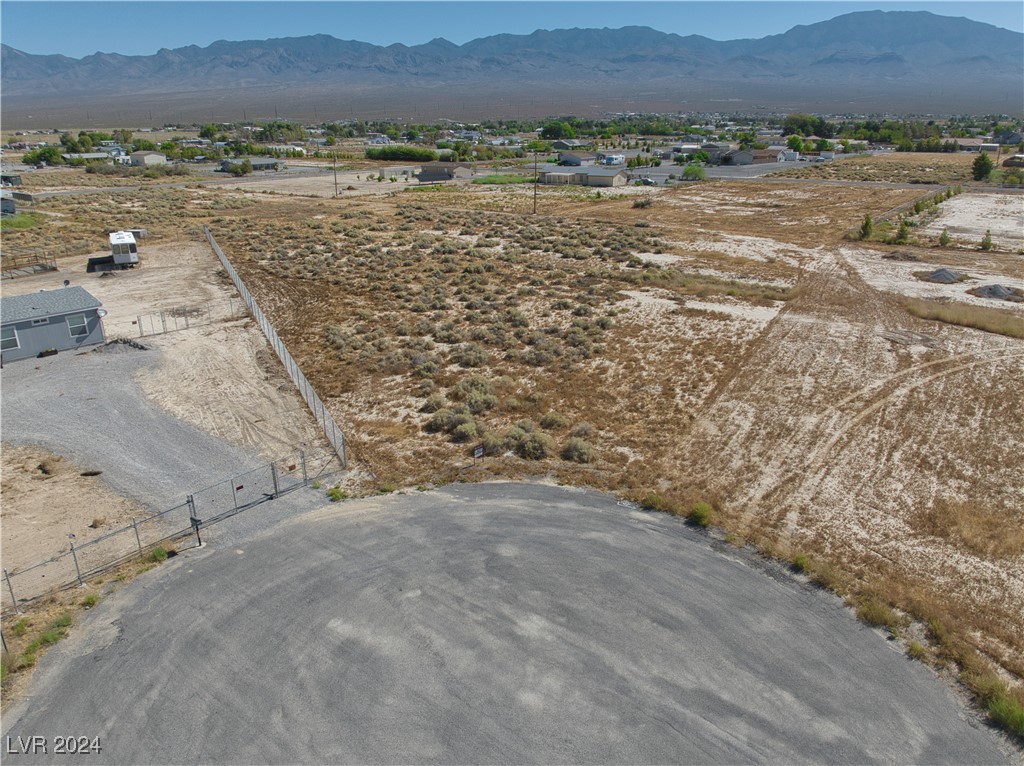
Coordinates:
(723, 342)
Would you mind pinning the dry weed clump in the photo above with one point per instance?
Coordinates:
(977, 317)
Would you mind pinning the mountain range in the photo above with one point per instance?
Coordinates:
(871, 61)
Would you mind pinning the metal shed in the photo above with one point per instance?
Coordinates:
(50, 320)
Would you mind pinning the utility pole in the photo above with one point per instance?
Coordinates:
(536, 180)
(335, 155)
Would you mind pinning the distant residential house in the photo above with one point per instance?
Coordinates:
(738, 157)
(49, 320)
(1007, 136)
(147, 158)
(286, 149)
(1016, 161)
(990, 148)
(570, 144)
(86, 157)
(585, 176)
(969, 144)
(439, 172)
(766, 155)
(258, 163)
(577, 158)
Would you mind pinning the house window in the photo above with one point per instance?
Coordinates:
(9, 339)
(77, 325)
(44, 320)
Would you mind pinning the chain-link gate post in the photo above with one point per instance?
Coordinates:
(11, 591)
(74, 556)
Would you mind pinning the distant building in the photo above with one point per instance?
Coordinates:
(585, 176)
(571, 144)
(438, 172)
(147, 158)
(577, 159)
(49, 320)
(258, 163)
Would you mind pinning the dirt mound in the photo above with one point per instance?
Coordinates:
(944, 277)
(999, 293)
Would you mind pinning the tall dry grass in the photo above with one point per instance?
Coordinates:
(978, 317)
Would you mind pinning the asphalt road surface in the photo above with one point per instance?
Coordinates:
(495, 623)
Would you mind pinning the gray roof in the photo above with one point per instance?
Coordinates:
(46, 303)
(601, 172)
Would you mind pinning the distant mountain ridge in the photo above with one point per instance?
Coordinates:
(883, 55)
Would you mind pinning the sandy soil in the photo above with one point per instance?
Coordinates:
(898, 277)
(46, 498)
(969, 216)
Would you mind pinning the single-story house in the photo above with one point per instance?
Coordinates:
(50, 320)
(990, 147)
(1016, 161)
(738, 157)
(436, 172)
(86, 157)
(766, 155)
(577, 159)
(969, 144)
(571, 144)
(258, 163)
(144, 158)
(585, 176)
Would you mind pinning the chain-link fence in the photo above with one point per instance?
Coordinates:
(184, 317)
(315, 404)
(84, 560)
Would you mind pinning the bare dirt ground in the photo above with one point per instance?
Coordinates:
(726, 343)
(46, 498)
(752, 357)
(968, 216)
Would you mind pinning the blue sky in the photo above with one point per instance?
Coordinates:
(80, 28)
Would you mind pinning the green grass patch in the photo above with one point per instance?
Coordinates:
(500, 179)
(158, 554)
(20, 627)
(874, 612)
(90, 600)
(700, 514)
(19, 221)
(976, 317)
(802, 563)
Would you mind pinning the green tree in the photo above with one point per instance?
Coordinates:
(867, 227)
(208, 131)
(986, 241)
(944, 238)
(982, 167)
(903, 232)
(123, 136)
(693, 173)
(556, 130)
(795, 143)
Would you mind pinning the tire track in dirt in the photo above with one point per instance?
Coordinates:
(817, 466)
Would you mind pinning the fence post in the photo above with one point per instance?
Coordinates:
(11, 591)
(78, 572)
(302, 459)
(138, 541)
(273, 476)
(142, 332)
(185, 309)
(191, 503)
(234, 493)
(163, 321)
